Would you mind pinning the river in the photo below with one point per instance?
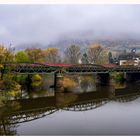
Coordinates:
(95, 111)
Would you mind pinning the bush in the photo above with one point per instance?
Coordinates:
(21, 79)
(10, 88)
(118, 76)
(36, 80)
(36, 77)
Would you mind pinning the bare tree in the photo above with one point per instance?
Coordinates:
(72, 54)
(97, 54)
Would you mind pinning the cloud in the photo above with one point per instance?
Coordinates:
(3, 30)
(46, 23)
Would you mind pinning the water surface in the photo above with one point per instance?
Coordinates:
(100, 111)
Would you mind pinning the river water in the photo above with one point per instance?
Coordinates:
(97, 111)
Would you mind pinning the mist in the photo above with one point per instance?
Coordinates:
(48, 23)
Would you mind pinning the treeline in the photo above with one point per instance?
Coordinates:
(94, 54)
(11, 84)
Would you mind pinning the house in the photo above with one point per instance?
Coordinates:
(130, 59)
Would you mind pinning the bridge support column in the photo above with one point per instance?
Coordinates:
(58, 83)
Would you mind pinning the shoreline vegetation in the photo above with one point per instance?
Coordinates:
(11, 85)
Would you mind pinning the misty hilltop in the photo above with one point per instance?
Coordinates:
(47, 24)
(62, 44)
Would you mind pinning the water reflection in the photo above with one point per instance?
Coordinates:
(24, 110)
(36, 102)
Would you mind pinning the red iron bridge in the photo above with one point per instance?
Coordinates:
(33, 68)
(102, 73)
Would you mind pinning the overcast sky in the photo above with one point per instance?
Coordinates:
(47, 23)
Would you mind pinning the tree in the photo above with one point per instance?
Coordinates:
(35, 55)
(84, 59)
(72, 54)
(52, 55)
(97, 54)
(21, 56)
(110, 58)
(6, 56)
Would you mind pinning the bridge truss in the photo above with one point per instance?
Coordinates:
(28, 115)
(17, 117)
(33, 68)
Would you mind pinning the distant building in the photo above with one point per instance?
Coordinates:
(130, 59)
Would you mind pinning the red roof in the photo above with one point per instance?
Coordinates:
(60, 65)
(70, 65)
(109, 65)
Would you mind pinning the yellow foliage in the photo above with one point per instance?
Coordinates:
(86, 78)
(11, 88)
(97, 54)
(119, 85)
(13, 93)
(36, 80)
(35, 54)
(15, 90)
(96, 46)
(52, 55)
(36, 83)
(51, 50)
(36, 77)
(69, 83)
(1, 66)
(6, 54)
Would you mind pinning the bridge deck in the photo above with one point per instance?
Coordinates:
(33, 68)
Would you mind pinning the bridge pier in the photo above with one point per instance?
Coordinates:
(58, 83)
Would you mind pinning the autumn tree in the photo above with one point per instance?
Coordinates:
(21, 56)
(6, 56)
(52, 55)
(35, 55)
(97, 54)
(72, 54)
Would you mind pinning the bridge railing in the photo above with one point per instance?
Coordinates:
(65, 68)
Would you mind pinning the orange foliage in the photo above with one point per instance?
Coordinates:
(52, 50)
(69, 83)
(52, 55)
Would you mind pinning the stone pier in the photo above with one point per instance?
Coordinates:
(58, 83)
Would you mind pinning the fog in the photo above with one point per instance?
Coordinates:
(49, 23)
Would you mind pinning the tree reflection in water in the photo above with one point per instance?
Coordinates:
(25, 110)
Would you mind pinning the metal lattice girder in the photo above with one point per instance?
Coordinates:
(29, 68)
(29, 115)
(127, 98)
(84, 106)
(32, 68)
(88, 68)
(127, 69)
